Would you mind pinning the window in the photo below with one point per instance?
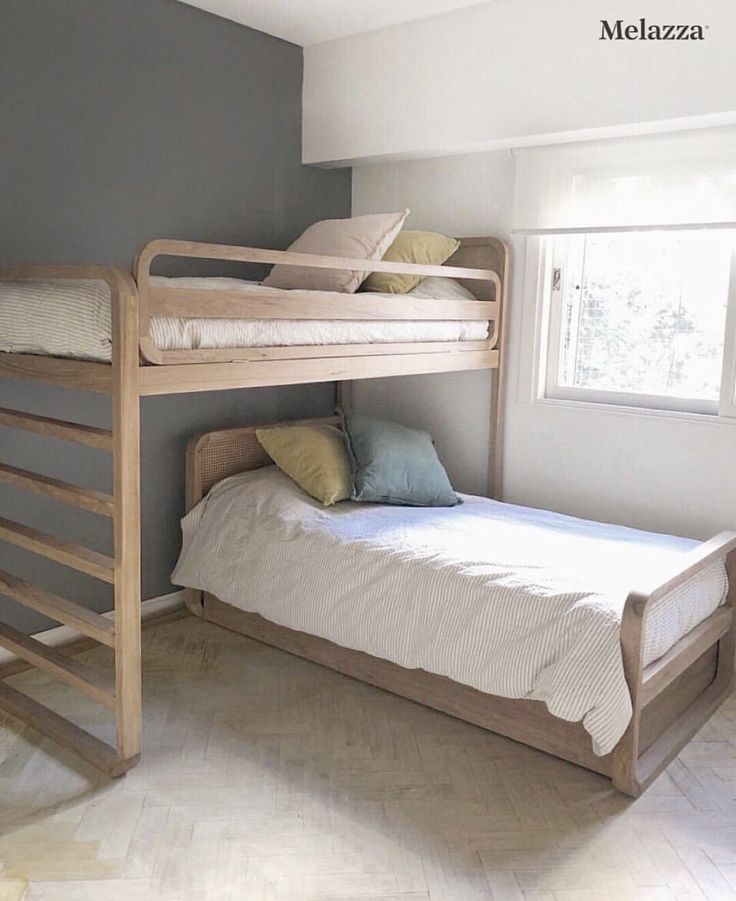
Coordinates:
(641, 318)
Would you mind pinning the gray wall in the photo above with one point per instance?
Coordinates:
(121, 122)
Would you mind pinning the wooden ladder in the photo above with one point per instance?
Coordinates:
(122, 694)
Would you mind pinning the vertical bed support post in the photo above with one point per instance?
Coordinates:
(495, 448)
(126, 522)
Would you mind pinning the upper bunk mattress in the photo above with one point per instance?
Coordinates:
(513, 601)
(71, 318)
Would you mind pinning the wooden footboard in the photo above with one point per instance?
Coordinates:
(673, 697)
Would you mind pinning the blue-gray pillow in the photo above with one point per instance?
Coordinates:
(393, 464)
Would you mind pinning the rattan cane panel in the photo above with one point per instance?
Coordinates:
(226, 453)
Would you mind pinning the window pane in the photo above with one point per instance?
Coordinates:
(645, 312)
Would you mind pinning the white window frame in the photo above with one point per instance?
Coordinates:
(550, 289)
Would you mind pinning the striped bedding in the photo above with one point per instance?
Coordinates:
(71, 318)
(513, 601)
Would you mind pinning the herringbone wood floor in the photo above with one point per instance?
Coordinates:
(267, 778)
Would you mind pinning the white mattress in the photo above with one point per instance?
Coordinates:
(71, 318)
(513, 601)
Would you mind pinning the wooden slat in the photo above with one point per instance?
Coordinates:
(72, 555)
(658, 675)
(301, 352)
(55, 371)
(97, 685)
(67, 493)
(188, 378)
(233, 253)
(57, 428)
(58, 608)
(64, 732)
(203, 303)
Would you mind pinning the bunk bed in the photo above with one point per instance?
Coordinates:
(137, 367)
(672, 697)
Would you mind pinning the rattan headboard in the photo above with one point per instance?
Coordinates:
(213, 456)
(481, 253)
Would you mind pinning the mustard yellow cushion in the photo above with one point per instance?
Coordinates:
(314, 456)
(411, 246)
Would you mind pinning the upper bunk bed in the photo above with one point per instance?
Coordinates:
(214, 333)
(97, 328)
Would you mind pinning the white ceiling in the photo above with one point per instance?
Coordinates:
(312, 21)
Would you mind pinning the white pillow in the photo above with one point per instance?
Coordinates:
(359, 238)
(440, 288)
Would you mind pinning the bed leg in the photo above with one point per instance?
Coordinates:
(194, 601)
(625, 776)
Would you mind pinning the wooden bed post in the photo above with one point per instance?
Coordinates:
(126, 523)
(498, 377)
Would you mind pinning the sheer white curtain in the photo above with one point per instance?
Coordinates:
(688, 179)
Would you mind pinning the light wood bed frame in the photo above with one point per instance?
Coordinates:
(672, 697)
(138, 369)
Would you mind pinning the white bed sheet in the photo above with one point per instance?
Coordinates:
(71, 318)
(513, 601)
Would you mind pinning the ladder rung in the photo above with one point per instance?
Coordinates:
(73, 555)
(86, 498)
(57, 428)
(97, 685)
(56, 607)
(64, 732)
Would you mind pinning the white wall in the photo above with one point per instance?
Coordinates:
(463, 196)
(662, 472)
(512, 72)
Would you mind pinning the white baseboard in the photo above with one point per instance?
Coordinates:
(62, 635)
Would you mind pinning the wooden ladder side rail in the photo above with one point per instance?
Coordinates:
(634, 768)
(122, 570)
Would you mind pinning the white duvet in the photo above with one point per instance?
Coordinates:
(513, 601)
(71, 318)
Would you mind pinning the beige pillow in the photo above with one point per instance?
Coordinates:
(439, 288)
(410, 246)
(359, 238)
(314, 456)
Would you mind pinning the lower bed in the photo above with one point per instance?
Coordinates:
(71, 318)
(515, 602)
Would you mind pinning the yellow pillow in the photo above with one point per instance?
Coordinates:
(314, 456)
(411, 247)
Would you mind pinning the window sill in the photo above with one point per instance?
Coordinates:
(649, 413)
